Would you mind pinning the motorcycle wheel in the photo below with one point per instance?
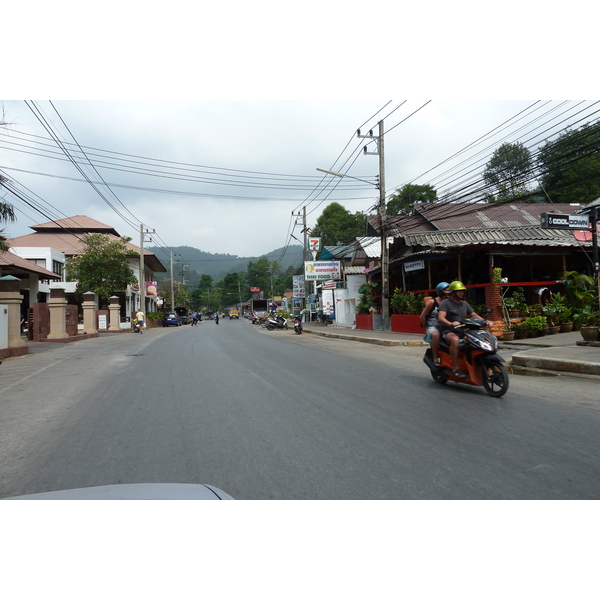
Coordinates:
(270, 327)
(440, 377)
(495, 378)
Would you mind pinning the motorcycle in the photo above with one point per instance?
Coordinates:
(276, 322)
(297, 325)
(136, 327)
(477, 358)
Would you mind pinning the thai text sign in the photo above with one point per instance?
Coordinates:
(414, 265)
(319, 271)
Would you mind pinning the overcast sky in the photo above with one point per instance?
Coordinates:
(252, 148)
(254, 161)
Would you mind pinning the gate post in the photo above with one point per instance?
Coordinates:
(10, 295)
(115, 313)
(89, 313)
(58, 314)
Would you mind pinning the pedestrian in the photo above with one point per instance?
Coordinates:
(140, 320)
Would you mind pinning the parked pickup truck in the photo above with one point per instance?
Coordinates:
(234, 313)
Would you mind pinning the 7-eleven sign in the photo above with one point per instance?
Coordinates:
(314, 244)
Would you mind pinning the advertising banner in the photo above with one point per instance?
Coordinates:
(151, 289)
(298, 285)
(322, 271)
(327, 302)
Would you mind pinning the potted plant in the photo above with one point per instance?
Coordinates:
(408, 310)
(535, 325)
(364, 318)
(589, 323)
(509, 333)
(520, 332)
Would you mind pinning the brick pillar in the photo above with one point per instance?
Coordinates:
(58, 314)
(89, 313)
(10, 295)
(492, 301)
(115, 314)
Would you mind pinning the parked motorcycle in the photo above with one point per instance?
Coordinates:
(477, 358)
(276, 322)
(297, 325)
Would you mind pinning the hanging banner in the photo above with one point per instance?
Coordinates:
(319, 271)
(298, 286)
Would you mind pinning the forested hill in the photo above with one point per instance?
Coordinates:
(217, 265)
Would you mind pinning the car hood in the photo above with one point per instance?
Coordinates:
(134, 491)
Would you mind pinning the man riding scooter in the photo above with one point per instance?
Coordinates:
(451, 313)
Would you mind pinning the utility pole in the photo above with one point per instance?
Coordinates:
(142, 266)
(385, 283)
(172, 286)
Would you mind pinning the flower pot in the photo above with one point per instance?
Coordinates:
(520, 335)
(545, 331)
(554, 329)
(566, 327)
(589, 333)
(514, 314)
(508, 336)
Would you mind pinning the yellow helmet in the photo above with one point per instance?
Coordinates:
(457, 286)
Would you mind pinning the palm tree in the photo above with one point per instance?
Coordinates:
(7, 215)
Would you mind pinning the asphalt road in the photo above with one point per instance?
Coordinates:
(272, 415)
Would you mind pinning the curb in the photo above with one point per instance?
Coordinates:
(356, 338)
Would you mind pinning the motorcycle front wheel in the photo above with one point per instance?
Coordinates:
(270, 327)
(495, 378)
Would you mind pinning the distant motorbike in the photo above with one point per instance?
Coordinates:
(478, 359)
(276, 322)
(136, 327)
(297, 325)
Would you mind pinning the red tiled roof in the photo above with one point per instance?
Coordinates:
(78, 223)
(11, 263)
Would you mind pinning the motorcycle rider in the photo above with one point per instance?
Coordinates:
(429, 318)
(451, 313)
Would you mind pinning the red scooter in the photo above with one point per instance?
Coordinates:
(478, 359)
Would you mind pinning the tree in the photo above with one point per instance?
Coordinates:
(507, 173)
(201, 295)
(181, 296)
(6, 215)
(338, 226)
(408, 195)
(261, 272)
(103, 267)
(571, 165)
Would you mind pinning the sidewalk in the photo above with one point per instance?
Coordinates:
(550, 354)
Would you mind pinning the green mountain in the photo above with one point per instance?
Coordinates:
(216, 265)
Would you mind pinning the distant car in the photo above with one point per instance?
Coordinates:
(183, 313)
(171, 318)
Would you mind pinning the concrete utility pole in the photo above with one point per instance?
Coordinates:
(385, 283)
(172, 285)
(141, 278)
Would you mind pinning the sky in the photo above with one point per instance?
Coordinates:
(255, 89)
(254, 161)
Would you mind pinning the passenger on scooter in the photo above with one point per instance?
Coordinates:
(451, 313)
(429, 319)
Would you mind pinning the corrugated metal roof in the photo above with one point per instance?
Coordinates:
(522, 236)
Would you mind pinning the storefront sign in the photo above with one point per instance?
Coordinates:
(319, 271)
(414, 265)
(556, 221)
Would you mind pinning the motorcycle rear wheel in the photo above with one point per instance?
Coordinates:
(495, 378)
(270, 327)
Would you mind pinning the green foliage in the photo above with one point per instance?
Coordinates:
(180, 293)
(507, 172)
(557, 310)
(516, 301)
(366, 300)
(408, 195)
(338, 226)
(6, 215)
(534, 323)
(586, 317)
(407, 303)
(580, 289)
(571, 165)
(103, 267)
